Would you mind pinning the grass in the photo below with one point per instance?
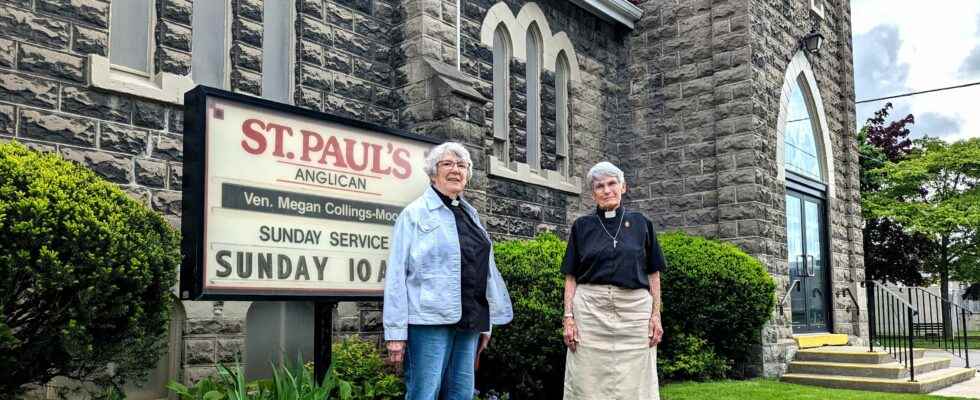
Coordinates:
(768, 389)
(972, 342)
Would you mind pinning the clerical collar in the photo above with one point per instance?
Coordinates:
(446, 200)
(609, 214)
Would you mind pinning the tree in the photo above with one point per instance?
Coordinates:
(890, 253)
(934, 192)
(85, 275)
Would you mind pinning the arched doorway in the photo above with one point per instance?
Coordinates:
(806, 171)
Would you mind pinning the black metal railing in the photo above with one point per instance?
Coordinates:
(940, 324)
(890, 324)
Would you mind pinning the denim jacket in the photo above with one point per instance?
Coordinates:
(422, 284)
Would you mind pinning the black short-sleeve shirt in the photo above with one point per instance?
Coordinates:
(592, 258)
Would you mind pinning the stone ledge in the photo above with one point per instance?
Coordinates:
(523, 173)
(455, 80)
(165, 87)
(612, 10)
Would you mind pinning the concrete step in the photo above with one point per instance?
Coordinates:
(892, 370)
(924, 383)
(849, 354)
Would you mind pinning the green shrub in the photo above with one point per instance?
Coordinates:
(711, 291)
(690, 357)
(716, 299)
(527, 357)
(85, 274)
(293, 382)
(359, 362)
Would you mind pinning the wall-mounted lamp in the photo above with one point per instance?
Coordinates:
(812, 41)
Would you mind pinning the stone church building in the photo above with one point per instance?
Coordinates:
(725, 123)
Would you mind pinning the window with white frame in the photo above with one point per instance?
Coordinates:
(130, 41)
(817, 6)
(550, 66)
(561, 109)
(802, 151)
(209, 43)
(277, 46)
(533, 129)
(501, 93)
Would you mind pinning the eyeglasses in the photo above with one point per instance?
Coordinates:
(449, 164)
(601, 186)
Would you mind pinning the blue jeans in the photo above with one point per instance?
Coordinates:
(439, 363)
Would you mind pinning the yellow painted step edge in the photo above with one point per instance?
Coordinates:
(888, 366)
(811, 341)
(900, 381)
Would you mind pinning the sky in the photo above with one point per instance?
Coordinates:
(903, 46)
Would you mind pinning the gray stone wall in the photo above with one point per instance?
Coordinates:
(686, 103)
(343, 60)
(173, 36)
(833, 69)
(47, 103)
(246, 48)
(706, 79)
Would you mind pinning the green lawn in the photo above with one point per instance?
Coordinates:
(972, 342)
(767, 389)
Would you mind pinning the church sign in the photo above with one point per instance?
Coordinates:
(281, 202)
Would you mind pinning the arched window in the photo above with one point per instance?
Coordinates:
(534, 50)
(561, 109)
(802, 153)
(501, 93)
(277, 332)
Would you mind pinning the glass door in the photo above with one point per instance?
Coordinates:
(806, 248)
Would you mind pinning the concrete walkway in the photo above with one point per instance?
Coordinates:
(969, 389)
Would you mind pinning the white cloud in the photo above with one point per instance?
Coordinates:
(934, 39)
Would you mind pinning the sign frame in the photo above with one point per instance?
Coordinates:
(193, 208)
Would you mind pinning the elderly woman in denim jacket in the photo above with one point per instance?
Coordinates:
(443, 291)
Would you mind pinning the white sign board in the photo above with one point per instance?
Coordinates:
(295, 203)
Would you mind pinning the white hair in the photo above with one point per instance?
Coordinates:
(438, 152)
(605, 169)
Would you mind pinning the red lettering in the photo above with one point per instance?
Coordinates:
(401, 161)
(280, 130)
(251, 133)
(309, 147)
(332, 148)
(350, 155)
(377, 160)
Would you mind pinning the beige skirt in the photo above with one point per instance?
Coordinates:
(613, 359)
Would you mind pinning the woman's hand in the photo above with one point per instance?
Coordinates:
(656, 330)
(571, 333)
(484, 343)
(396, 351)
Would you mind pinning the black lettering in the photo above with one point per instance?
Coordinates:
(301, 268)
(320, 266)
(225, 267)
(245, 269)
(265, 266)
(264, 233)
(285, 266)
(351, 264)
(363, 270)
(383, 270)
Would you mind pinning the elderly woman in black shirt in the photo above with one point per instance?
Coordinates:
(612, 297)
